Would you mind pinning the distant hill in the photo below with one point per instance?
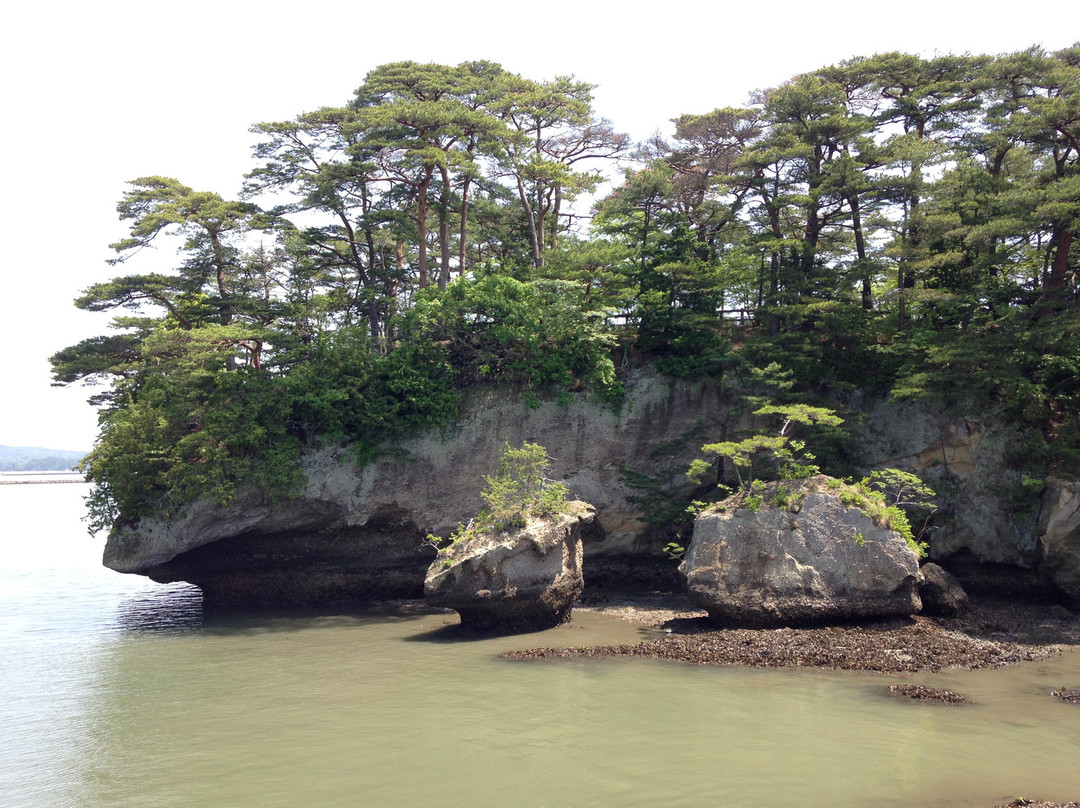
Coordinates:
(35, 458)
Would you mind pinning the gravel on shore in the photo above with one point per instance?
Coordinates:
(991, 635)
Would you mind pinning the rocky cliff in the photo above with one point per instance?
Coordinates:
(357, 533)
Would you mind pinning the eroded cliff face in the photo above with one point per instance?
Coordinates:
(1059, 537)
(987, 514)
(357, 533)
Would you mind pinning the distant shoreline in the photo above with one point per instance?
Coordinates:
(39, 477)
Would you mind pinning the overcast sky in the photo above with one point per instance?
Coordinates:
(95, 94)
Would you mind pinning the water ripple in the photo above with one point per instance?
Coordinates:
(165, 609)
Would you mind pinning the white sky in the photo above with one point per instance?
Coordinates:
(95, 94)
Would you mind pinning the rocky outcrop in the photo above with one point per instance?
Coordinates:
(357, 533)
(294, 553)
(1059, 535)
(813, 560)
(525, 579)
(987, 515)
(940, 592)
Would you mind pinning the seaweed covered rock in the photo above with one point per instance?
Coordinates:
(525, 579)
(797, 553)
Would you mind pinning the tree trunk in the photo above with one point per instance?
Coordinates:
(1061, 244)
(541, 235)
(555, 209)
(860, 251)
(530, 215)
(222, 284)
(444, 228)
(463, 228)
(421, 225)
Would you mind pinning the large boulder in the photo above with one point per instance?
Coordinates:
(1059, 537)
(801, 557)
(525, 579)
(940, 592)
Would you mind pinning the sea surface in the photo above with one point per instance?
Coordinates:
(115, 691)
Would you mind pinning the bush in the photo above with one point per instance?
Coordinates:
(517, 492)
(541, 335)
(194, 428)
(181, 436)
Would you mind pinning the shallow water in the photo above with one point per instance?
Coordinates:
(121, 692)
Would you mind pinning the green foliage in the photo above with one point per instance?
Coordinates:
(889, 223)
(674, 551)
(517, 492)
(792, 459)
(181, 436)
(796, 463)
(519, 489)
(900, 488)
(188, 427)
(541, 335)
(782, 497)
(1027, 363)
(828, 343)
(871, 499)
(1033, 485)
(664, 497)
(663, 501)
(741, 453)
(344, 391)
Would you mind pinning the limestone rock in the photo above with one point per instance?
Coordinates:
(940, 592)
(986, 514)
(1059, 536)
(357, 533)
(822, 562)
(523, 580)
(296, 553)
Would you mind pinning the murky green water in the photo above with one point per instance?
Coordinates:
(117, 692)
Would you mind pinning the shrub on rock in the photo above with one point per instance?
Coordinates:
(525, 579)
(800, 552)
(517, 565)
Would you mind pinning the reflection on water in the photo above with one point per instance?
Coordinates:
(165, 609)
(119, 692)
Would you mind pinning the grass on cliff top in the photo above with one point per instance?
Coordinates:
(790, 494)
